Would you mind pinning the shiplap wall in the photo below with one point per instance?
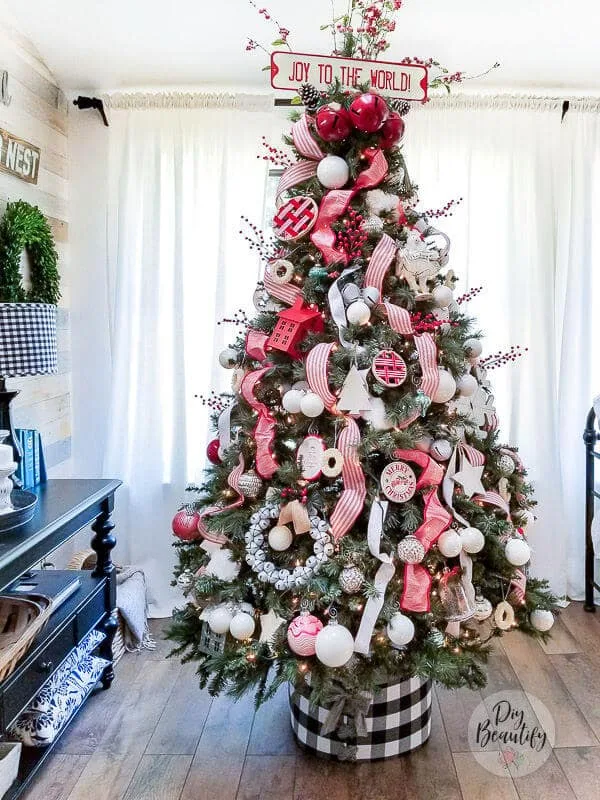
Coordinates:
(38, 113)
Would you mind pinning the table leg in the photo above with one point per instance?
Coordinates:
(103, 542)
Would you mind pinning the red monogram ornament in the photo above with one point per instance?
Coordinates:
(295, 218)
(389, 368)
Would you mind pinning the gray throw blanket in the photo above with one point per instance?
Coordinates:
(131, 602)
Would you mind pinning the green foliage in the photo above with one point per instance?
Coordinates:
(24, 227)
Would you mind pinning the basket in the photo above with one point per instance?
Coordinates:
(86, 559)
(10, 755)
(21, 619)
(397, 721)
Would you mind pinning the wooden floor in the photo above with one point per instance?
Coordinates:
(155, 736)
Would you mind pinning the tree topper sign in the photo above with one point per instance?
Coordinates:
(404, 81)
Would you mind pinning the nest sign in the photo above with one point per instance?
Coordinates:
(405, 81)
(18, 157)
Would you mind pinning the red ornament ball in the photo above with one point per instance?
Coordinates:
(333, 124)
(185, 525)
(392, 130)
(368, 112)
(212, 452)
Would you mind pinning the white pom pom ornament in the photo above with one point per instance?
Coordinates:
(241, 626)
(311, 405)
(333, 172)
(449, 544)
(334, 645)
(466, 385)
(291, 401)
(358, 313)
(472, 539)
(400, 629)
(541, 620)
(446, 387)
(280, 538)
(517, 552)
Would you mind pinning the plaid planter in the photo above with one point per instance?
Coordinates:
(398, 721)
(27, 339)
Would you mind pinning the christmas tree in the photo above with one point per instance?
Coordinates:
(362, 519)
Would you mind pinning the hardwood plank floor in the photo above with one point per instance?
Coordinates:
(156, 736)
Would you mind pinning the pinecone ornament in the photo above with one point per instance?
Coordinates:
(401, 106)
(310, 96)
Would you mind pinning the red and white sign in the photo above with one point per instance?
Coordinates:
(398, 482)
(405, 81)
(310, 457)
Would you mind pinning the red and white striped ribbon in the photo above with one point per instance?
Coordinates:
(285, 292)
(298, 173)
(518, 584)
(264, 432)
(433, 472)
(474, 456)
(317, 363)
(399, 319)
(427, 351)
(304, 141)
(234, 481)
(379, 262)
(493, 499)
(352, 499)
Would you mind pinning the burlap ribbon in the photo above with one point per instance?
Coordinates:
(356, 707)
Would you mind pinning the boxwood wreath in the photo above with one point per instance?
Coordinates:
(24, 227)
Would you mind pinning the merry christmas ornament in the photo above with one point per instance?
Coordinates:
(351, 579)
(411, 550)
(242, 625)
(334, 645)
(250, 485)
(400, 629)
(398, 482)
(333, 124)
(517, 552)
(302, 633)
(368, 112)
(472, 539)
(541, 620)
(185, 524)
(389, 368)
(280, 538)
(309, 457)
(228, 358)
(333, 172)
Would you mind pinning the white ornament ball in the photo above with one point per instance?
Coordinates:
(449, 544)
(441, 449)
(446, 387)
(219, 619)
(541, 620)
(517, 552)
(467, 385)
(473, 348)
(442, 296)
(371, 295)
(311, 405)
(334, 645)
(483, 608)
(333, 172)
(291, 401)
(358, 313)
(351, 579)
(280, 537)
(473, 540)
(228, 358)
(400, 629)
(242, 626)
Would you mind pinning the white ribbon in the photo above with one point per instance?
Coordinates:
(385, 573)
(224, 427)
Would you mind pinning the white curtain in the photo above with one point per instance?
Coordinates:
(524, 231)
(179, 179)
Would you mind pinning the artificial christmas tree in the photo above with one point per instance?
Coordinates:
(361, 520)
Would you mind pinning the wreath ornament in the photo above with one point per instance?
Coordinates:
(256, 549)
(24, 227)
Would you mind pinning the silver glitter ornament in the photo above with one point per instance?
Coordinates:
(351, 579)
(185, 580)
(505, 465)
(372, 224)
(483, 608)
(250, 485)
(410, 550)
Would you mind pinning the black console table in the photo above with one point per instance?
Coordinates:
(64, 508)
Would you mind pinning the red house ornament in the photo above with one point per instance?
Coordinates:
(292, 327)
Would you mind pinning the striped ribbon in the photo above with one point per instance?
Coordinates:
(264, 432)
(255, 344)
(518, 584)
(379, 262)
(306, 168)
(298, 173)
(304, 141)
(474, 456)
(352, 499)
(316, 373)
(285, 292)
(234, 481)
(493, 499)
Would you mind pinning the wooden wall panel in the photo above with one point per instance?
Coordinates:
(38, 113)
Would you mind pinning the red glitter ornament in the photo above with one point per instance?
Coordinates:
(333, 124)
(392, 130)
(185, 524)
(368, 112)
(212, 452)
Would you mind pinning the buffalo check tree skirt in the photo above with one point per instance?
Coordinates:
(398, 721)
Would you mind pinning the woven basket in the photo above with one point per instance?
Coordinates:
(86, 559)
(21, 619)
